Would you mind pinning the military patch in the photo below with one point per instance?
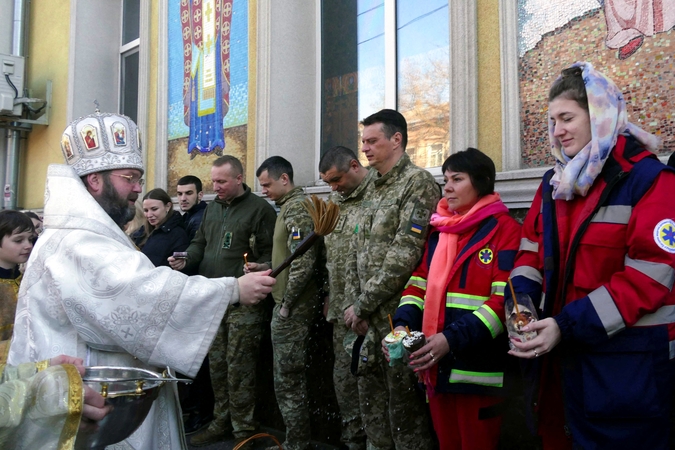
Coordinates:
(420, 215)
(419, 219)
(366, 226)
(664, 235)
(341, 223)
(227, 240)
(296, 234)
(486, 256)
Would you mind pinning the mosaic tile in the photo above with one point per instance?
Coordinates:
(646, 77)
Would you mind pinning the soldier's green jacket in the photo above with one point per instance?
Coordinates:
(296, 286)
(227, 231)
(389, 238)
(338, 248)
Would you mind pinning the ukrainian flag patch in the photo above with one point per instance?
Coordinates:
(416, 228)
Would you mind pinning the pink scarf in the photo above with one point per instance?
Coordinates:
(451, 226)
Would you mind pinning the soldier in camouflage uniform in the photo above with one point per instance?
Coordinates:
(388, 242)
(296, 295)
(237, 222)
(340, 168)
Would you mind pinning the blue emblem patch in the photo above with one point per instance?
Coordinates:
(486, 256)
(664, 235)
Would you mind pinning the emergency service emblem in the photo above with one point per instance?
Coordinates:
(664, 235)
(486, 256)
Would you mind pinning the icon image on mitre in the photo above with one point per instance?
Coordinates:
(66, 147)
(119, 134)
(90, 137)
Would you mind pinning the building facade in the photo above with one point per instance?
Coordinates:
(256, 78)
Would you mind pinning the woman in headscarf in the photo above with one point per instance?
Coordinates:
(597, 254)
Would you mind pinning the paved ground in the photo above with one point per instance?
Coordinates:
(259, 444)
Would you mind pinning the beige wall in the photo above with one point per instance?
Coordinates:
(151, 139)
(489, 81)
(46, 59)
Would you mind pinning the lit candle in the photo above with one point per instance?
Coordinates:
(245, 260)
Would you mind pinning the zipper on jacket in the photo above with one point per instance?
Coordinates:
(582, 230)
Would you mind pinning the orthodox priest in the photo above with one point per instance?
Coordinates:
(88, 292)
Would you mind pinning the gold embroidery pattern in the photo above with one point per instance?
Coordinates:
(75, 400)
(42, 365)
(9, 290)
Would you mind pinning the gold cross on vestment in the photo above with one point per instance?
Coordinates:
(208, 12)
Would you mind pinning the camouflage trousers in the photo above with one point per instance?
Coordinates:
(347, 392)
(393, 410)
(289, 344)
(233, 358)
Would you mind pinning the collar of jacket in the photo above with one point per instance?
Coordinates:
(395, 171)
(289, 195)
(195, 209)
(236, 200)
(361, 188)
(172, 222)
(10, 274)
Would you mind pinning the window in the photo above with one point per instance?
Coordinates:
(386, 54)
(129, 59)
(436, 155)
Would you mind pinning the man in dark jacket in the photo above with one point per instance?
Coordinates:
(238, 222)
(189, 193)
(196, 398)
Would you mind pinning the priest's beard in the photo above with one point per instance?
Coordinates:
(111, 201)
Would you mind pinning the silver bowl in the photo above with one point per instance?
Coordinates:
(130, 391)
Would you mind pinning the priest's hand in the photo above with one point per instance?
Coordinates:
(254, 287)
(177, 264)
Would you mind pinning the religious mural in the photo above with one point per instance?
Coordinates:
(208, 85)
(632, 41)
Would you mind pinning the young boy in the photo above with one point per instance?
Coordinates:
(17, 235)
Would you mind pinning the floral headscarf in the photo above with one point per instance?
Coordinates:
(607, 111)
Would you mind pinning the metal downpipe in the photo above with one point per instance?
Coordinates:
(15, 138)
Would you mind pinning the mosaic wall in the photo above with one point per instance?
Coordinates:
(632, 42)
(208, 85)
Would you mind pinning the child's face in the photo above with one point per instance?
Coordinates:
(16, 248)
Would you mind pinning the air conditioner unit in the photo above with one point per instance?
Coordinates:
(11, 83)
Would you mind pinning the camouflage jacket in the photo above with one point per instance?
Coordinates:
(338, 247)
(296, 286)
(389, 238)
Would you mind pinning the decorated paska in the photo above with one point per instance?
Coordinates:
(597, 255)
(88, 292)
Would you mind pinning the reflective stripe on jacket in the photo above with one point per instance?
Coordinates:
(474, 306)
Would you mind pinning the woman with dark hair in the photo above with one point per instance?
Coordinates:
(456, 298)
(163, 233)
(597, 255)
(37, 222)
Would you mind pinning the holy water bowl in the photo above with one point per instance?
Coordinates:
(131, 391)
